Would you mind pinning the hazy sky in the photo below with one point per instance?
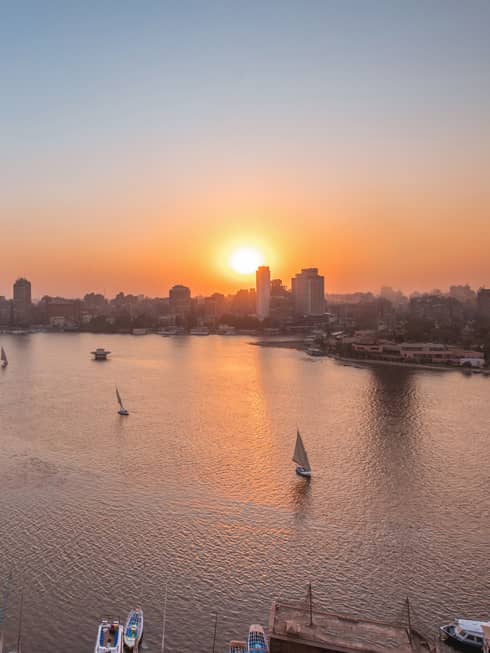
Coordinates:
(140, 142)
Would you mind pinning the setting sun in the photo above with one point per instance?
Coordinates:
(246, 260)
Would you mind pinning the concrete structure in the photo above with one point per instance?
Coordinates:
(416, 352)
(22, 303)
(180, 301)
(294, 629)
(263, 292)
(308, 292)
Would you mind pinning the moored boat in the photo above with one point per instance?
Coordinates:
(109, 636)
(465, 632)
(257, 642)
(300, 457)
(133, 630)
(237, 646)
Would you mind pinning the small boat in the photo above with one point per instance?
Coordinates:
(3, 357)
(300, 457)
(237, 646)
(465, 633)
(122, 410)
(133, 630)
(100, 354)
(257, 642)
(109, 637)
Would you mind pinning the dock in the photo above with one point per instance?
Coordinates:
(297, 629)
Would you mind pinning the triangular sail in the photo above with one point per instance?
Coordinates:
(3, 356)
(119, 400)
(300, 457)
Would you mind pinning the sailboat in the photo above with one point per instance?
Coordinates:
(300, 457)
(3, 357)
(122, 410)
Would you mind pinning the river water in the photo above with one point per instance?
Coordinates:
(196, 490)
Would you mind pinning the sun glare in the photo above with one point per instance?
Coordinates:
(246, 260)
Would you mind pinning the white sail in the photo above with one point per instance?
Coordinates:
(3, 357)
(119, 400)
(300, 457)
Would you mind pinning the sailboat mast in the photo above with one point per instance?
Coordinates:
(164, 618)
(20, 622)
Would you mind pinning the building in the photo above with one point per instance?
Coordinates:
(483, 303)
(180, 302)
(309, 292)
(5, 311)
(22, 302)
(263, 292)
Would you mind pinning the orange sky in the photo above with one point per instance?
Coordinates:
(140, 147)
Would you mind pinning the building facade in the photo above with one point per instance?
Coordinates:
(22, 303)
(180, 302)
(263, 292)
(308, 289)
(483, 303)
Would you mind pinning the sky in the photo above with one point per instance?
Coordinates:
(141, 143)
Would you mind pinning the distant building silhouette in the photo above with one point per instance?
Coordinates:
(483, 303)
(309, 292)
(263, 292)
(180, 301)
(5, 311)
(22, 302)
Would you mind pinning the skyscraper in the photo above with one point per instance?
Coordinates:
(309, 292)
(22, 302)
(263, 292)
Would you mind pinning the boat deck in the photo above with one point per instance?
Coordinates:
(289, 625)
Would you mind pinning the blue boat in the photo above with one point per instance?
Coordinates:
(257, 642)
(133, 630)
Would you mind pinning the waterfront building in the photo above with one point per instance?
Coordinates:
(5, 311)
(309, 292)
(22, 302)
(180, 302)
(483, 303)
(263, 292)
(415, 352)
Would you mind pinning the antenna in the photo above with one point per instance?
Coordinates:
(164, 618)
(409, 623)
(311, 603)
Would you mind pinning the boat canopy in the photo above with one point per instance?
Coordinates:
(473, 627)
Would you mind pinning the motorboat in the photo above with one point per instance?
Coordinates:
(257, 642)
(237, 646)
(465, 632)
(109, 636)
(133, 630)
(100, 354)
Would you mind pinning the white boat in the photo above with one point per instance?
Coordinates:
(122, 410)
(3, 357)
(109, 637)
(133, 630)
(257, 642)
(300, 457)
(465, 632)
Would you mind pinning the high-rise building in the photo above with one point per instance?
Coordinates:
(22, 302)
(5, 311)
(483, 303)
(309, 292)
(263, 292)
(180, 301)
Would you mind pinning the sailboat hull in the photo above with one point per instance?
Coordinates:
(123, 411)
(301, 471)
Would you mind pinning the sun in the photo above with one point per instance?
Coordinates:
(246, 260)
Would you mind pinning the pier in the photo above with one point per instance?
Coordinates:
(298, 629)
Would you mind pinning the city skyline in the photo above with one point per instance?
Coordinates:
(143, 147)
